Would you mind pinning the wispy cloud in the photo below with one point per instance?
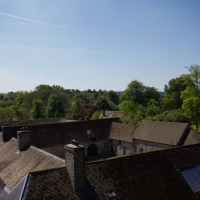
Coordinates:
(31, 20)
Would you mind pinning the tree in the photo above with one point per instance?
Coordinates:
(112, 96)
(38, 109)
(103, 104)
(172, 116)
(172, 98)
(90, 108)
(19, 105)
(134, 92)
(54, 107)
(191, 95)
(140, 94)
(6, 114)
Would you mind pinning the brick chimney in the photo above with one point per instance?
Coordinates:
(75, 163)
(6, 132)
(23, 137)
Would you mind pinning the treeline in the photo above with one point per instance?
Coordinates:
(179, 103)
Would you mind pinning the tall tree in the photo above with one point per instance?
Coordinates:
(140, 94)
(55, 107)
(38, 109)
(191, 95)
(172, 98)
(112, 96)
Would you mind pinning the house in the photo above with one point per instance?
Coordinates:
(105, 136)
(93, 134)
(121, 138)
(163, 174)
(148, 136)
(111, 114)
(193, 137)
(153, 135)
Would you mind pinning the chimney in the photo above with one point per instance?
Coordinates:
(75, 163)
(23, 137)
(104, 113)
(6, 132)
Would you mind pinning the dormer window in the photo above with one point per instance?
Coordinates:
(112, 196)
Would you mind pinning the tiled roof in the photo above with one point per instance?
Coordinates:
(55, 184)
(192, 138)
(14, 164)
(146, 176)
(124, 132)
(161, 132)
(50, 184)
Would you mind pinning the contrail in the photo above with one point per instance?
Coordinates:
(31, 20)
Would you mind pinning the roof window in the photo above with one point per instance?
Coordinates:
(112, 196)
(192, 177)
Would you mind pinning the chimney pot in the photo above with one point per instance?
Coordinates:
(73, 142)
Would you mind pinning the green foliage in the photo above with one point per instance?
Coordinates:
(191, 95)
(54, 107)
(2, 96)
(140, 94)
(172, 98)
(38, 109)
(113, 97)
(133, 113)
(6, 113)
(172, 116)
(132, 119)
(103, 103)
(96, 114)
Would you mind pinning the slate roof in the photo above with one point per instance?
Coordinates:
(147, 176)
(124, 132)
(50, 184)
(55, 184)
(14, 164)
(193, 137)
(171, 133)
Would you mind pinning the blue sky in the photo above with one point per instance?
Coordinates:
(96, 44)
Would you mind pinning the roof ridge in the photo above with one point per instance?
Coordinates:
(46, 170)
(47, 153)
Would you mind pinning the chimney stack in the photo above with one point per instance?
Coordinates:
(75, 163)
(6, 132)
(23, 137)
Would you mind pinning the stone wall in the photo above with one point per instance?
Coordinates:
(59, 134)
(121, 148)
(102, 148)
(145, 146)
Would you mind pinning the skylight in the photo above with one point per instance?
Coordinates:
(192, 177)
(112, 195)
